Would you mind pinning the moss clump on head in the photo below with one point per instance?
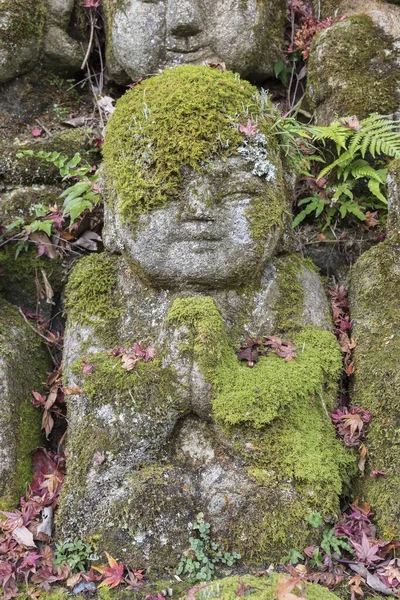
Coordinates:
(374, 300)
(263, 588)
(352, 69)
(91, 298)
(185, 116)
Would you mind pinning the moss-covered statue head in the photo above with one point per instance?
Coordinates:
(193, 179)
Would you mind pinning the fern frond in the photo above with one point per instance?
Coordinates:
(374, 187)
(360, 168)
(339, 162)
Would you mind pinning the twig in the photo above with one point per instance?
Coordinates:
(89, 48)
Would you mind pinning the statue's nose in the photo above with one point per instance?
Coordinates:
(196, 210)
(184, 18)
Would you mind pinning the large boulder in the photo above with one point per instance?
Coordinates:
(197, 209)
(374, 299)
(143, 38)
(353, 69)
(23, 364)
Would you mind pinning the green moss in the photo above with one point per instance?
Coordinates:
(280, 410)
(374, 297)
(290, 304)
(18, 275)
(23, 20)
(183, 117)
(91, 297)
(21, 421)
(352, 69)
(264, 589)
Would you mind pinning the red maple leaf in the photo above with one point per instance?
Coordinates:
(248, 129)
(113, 574)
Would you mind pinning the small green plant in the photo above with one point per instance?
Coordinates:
(332, 543)
(315, 520)
(292, 557)
(75, 553)
(354, 174)
(205, 554)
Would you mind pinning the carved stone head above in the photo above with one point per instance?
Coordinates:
(149, 35)
(190, 198)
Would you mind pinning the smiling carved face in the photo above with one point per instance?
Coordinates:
(149, 35)
(203, 240)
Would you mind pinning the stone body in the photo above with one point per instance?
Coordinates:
(145, 37)
(374, 298)
(19, 420)
(194, 429)
(353, 69)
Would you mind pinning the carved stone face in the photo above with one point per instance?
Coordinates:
(149, 35)
(205, 239)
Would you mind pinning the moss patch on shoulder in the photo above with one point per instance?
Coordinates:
(281, 409)
(353, 69)
(183, 117)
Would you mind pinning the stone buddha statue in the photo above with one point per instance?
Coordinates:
(196, 203)
(145, 36)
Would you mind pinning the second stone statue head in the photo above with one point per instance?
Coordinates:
(149, 35)
(193, 179)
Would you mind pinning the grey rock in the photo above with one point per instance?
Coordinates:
(62, 54)
(59, 11)
(149, 36)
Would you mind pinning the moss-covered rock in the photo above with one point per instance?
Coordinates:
(18, 202)
(23, 364)
(20, 36)
(30, 170)
(374, 298)
(353, 69)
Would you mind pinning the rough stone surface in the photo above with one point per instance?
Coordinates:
(148, 36)
(62, 53)
(206, 243)
(167, 459)
(374, 295)
(19, 421)
(353, 69)
(59, 11)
